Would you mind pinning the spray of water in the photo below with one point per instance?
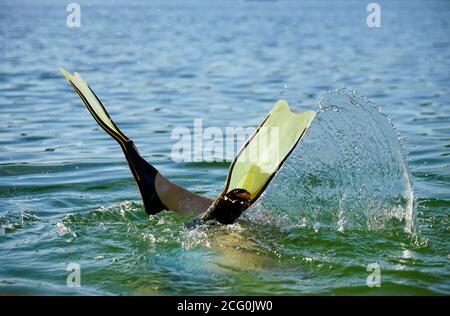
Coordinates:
(348, 172)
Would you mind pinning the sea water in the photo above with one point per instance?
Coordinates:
(340, 208)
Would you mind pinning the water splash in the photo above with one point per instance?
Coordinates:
(348, 172)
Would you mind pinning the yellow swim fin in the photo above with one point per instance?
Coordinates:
(258, 161)
(94, 105)
(143, 172)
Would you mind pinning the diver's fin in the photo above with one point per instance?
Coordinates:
(94, 106)
(143, 172)
(258, 161)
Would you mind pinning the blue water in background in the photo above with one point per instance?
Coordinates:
(67, 195)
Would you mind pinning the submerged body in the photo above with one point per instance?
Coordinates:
(251, 171)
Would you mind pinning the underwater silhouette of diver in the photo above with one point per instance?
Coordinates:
(246, 180)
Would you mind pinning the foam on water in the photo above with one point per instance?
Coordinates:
(348, 172)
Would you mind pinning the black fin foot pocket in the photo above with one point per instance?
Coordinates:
(227, 208)
(145, 175)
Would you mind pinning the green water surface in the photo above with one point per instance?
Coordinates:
(67, 195)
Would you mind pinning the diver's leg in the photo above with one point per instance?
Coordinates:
(159, 193)
(179, 199)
